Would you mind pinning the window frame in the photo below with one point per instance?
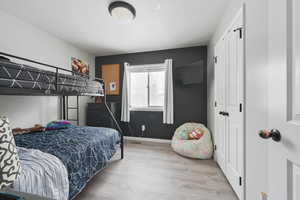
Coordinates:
(146, 69)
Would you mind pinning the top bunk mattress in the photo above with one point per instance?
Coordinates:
(14, 75)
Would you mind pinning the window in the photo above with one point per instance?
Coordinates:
(147, 90)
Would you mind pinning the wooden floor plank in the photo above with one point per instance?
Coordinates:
(155, 172)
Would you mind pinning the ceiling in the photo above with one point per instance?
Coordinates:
(159, 24)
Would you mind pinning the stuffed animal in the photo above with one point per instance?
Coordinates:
(19, 131)
(36, 128)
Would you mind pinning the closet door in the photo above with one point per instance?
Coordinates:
(220, 103)
(234, 106)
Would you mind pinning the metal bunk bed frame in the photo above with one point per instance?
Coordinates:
(32, 92)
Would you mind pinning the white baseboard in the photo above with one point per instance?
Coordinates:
(140, 139)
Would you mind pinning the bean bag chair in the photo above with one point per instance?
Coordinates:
(193, 140)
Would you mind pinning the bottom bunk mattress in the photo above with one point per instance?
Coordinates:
(83, 150)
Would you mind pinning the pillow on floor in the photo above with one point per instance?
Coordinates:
(9, 159)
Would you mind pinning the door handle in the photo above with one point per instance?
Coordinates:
(221, 113)
(224, 113)
(274, 134)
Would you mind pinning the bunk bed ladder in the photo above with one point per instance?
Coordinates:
(115, 122)
(66, 108)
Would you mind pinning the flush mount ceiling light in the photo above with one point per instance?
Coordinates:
(122, 11)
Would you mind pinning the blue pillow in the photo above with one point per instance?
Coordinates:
(56, 125)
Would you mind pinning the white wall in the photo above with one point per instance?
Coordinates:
(25, 40)
(255, 90)
(256, 96)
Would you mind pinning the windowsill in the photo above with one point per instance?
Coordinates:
(150, 109)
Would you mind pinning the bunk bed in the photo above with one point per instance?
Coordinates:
(83, 151)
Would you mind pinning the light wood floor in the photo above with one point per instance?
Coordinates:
(155, 172)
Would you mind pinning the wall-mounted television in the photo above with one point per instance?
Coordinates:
(190, 73)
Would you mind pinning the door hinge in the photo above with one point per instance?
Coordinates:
(240, 181)
(216, 59)
(215, 147)
(241, 107)
(216, 104)
(240, 31)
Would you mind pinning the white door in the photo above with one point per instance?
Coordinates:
(220, 120)
(234, 105)
(229, 114)
(284, 99)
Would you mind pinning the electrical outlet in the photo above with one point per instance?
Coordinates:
(143, 127)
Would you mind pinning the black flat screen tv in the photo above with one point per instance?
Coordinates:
(190, 73)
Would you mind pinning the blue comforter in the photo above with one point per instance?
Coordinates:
(83, 150)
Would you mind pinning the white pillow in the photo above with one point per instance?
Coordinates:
(9, 159)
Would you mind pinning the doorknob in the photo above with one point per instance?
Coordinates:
(224, 113)
(274, 134)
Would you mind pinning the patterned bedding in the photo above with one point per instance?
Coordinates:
(13, 75)
(83, 150)
(42, 174)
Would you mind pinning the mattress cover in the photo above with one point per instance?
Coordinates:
(22, 76)
(14, 75)
(83, 150)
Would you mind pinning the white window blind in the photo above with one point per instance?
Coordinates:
(147, 89)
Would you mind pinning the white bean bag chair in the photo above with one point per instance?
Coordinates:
(198, 148)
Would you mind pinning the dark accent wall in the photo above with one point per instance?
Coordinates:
(190, 101)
